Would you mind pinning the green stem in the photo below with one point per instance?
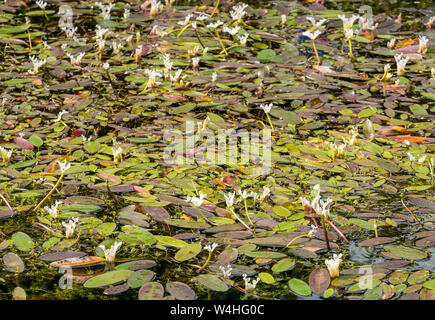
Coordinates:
(51, 192)
(240, 220)
(215, 8)
(315, 51)
(206, 262)
(350, 48)
(247, 213)
(202, 215)
(220, 41)
(294, 239)
(270, 122)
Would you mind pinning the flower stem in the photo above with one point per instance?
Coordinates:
(7, 203)
(247, 213)
(215, 8)
(240, 220)
(326, 234)
(202, 215)
(293, 240)
(270, 122)
(220, 41)
(51, 191)
(206, 262)
(315, 51)
(350, 48)
(337, 230)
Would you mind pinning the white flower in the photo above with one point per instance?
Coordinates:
(229, 199)
(106, 65)
(412, 158)
(215, 24)
(59, 115)
(193, 52)
(244, 194)
(312, 231)
(195, 62)
(266, 107)
(202, 17)
(76, 60)
(391, 43)
(36, 64)
(231, 31)
(70, 226)
(333, 265)
(194, 25)
(226, 271)
(155, 7)
(214, 77)
(167, 63)
(110, 253)
(238, 11)
(100, 32)
(243, 38)
(105, 9)
(422, 44)
(128, 39)
(283, 19)
(248, 285)
(317, 24)
(430, 21)
(401, 63)
(312, 35)
(86, 139)
(186, 20)
(354, 134)
(152, 75)
(263, 195)
(117, 151)
(6, 154)
(116, 46)
(337, 150)
(70, 30)
(63, 166)
(41, 4)
(101, 43)
(211, 247)
(176, 76)
(126, 13)
(197, 202)
(348, 33)
(52, 211)
(432, 72)
(348, 22)
(367, 23)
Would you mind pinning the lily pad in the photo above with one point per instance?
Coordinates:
(151, 291)
(212, 282)
(180, 290)
(108, 278)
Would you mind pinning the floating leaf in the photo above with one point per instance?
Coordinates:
(212, 282)
(265, 254)
(22, 241)
(180, 291)
(138, 278)
(266, 277)
(108, 278)
(406, 252)
(13, 263)
(319, 280)
(78, 262)
(299, 287)
(151, 291)
(188, 252)
(284, 265)
(136, 265)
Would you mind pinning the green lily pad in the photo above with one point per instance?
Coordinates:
(151, 291)
(406, 252)
(139, 278)
(299, 287)
(212, 282)
(188, 252)
(22, 241)
(108, 278)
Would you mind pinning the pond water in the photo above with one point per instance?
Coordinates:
(96, 101)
